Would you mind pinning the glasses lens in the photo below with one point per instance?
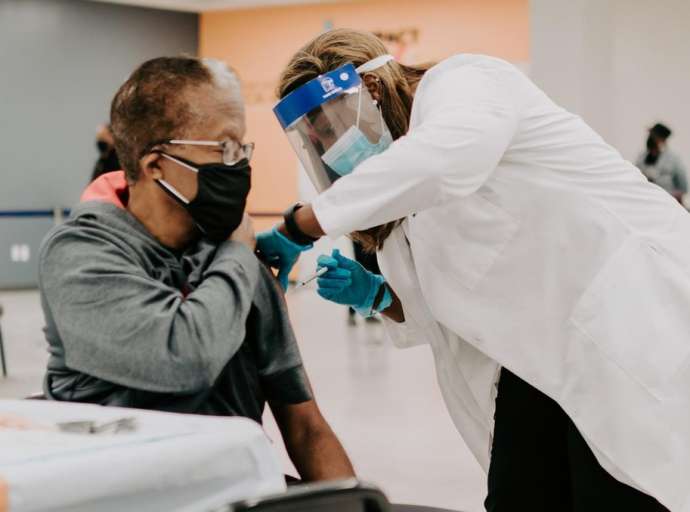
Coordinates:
(232, 153)
(248, 150)
(229, 152)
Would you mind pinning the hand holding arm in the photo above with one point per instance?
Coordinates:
(277, 250)
(117, 322)
(280, 250)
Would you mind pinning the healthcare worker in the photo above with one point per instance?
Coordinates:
(549, 277)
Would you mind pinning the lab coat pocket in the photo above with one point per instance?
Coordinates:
(462, 239)
(637, 313)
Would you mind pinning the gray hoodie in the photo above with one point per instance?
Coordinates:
(131, 323)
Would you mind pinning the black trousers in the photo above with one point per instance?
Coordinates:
(540, 462)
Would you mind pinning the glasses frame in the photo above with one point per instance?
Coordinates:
(228, 146)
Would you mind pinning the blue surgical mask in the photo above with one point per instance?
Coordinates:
(353, 148)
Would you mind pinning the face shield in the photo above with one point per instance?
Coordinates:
(333, 124)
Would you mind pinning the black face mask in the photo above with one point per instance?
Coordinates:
(221, 198)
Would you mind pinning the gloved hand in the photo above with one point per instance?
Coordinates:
(349, 283)
(279, 252)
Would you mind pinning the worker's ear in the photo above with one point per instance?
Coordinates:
(373, 85)
(149, 165)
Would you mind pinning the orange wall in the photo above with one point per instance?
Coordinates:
(259, 42)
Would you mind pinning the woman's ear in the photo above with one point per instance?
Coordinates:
(373, 85)
(149, 166)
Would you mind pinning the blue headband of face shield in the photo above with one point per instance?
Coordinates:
(352, 146)
(323, 88)
(315, 93)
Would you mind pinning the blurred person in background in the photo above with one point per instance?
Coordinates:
(661, 165)
(107, 156)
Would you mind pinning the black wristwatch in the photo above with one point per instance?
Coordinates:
(294, 232)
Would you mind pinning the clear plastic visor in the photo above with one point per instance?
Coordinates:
(326, 137)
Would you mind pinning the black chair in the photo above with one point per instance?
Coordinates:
(419, 508)
(2, 349)
(341, 496)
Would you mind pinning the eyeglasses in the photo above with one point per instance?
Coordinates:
(232, 151)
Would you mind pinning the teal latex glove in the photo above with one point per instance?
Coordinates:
(349, 283)
(279, 252)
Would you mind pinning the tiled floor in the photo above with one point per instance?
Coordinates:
(382, 402)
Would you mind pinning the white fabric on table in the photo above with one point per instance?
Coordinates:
(172, 462)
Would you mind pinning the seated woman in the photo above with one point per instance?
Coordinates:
(153, 297)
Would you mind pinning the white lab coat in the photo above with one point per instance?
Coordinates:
(530, 243)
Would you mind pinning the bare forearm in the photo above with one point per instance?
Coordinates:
(313, 448)
(318, 455)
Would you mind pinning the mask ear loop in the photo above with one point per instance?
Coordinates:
(174, 192)
(168, 187)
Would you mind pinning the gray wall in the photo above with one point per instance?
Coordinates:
(622, 65)
(61, 61)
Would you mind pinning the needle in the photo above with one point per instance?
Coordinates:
(315, 275)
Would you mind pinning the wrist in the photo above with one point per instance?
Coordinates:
(280, 232)
(384, 299)
(366, 307)
(292, 230)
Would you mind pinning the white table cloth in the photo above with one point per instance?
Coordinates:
(172, 462)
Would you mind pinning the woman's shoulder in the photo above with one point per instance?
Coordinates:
(458, 68)
(466, 75)
(468, 61)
